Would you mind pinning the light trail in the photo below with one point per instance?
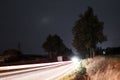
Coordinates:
(41, 73)
(30, 65)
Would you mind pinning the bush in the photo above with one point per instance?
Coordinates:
(11, 55)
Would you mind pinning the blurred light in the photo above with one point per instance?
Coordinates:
(75, 59)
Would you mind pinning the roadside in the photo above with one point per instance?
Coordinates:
(98, 68)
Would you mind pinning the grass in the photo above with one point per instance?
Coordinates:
(104, 68)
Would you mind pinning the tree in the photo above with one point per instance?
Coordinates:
(88, 32)
(54, 46)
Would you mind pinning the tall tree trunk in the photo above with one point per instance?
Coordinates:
(92, 52)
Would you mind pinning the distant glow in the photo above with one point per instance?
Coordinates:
(45, 20)
(104, 52)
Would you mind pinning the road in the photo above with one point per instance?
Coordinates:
(45, 73)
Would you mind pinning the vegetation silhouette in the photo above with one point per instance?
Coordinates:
(88, 32)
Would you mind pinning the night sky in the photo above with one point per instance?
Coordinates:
(30, 21)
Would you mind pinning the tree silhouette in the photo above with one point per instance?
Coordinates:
(88, 31)
(12, 55)
(54, 46)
